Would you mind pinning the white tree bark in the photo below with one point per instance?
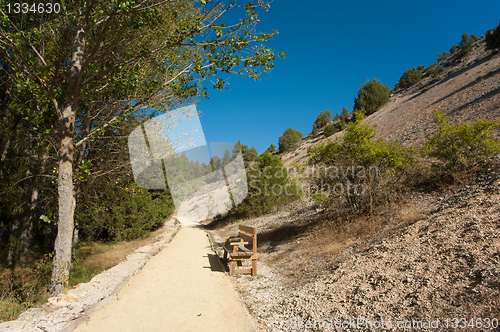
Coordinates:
(63, 244)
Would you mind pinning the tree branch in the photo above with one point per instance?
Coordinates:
(141, 102)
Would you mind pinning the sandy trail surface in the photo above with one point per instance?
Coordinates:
(182, 288)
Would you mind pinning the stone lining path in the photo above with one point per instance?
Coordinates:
(182, 288)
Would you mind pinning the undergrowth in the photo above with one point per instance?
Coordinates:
(26, 284)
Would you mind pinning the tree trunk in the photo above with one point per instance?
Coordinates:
(63, 244)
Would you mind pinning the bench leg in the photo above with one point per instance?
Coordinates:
(254, 267)
(232, 267)
(225, 256)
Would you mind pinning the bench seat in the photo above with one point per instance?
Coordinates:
(241, 247)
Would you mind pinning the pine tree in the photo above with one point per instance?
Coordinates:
(344, 114)
(493, 39)
(288, 141)
(465, 46)
(371, 96)
(322, 119)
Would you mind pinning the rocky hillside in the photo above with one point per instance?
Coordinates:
(467, 90)
(432, 262)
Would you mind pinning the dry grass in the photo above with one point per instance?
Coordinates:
(93, 258)
(27, 283)
(329, 243)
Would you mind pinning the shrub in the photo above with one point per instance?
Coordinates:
(288, 141)
(443, 56)
(371, 96)
(322, 119)
(410, 77)
(248, 154)
(330, 130)
(453, 49)
(465, 46)
(493, 39)
(459, 145)
(268, 186)
(271, 148)
(344, 114)
(351, 160)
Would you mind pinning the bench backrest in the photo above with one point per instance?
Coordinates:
(249, 234)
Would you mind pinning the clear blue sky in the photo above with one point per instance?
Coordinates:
(333, 47)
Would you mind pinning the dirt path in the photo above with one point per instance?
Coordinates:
(180, 289)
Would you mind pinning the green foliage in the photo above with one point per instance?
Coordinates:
(248, 154)
(336, 117)
(492, 39)
(330, 130)
(465, 46)
(122, 211)
(288, 141)
(322, 119)
(344, 114)
(358, 159)
(459, 145)
(268, 186)
(443, 56)
(371, 96)
(453, 49)
(343, 117)
(271, 148)
(410, 77)
(358, 147)
(434, 70)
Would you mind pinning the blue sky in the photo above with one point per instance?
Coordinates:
(333, 47)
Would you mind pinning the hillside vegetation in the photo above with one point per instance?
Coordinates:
(399, 214)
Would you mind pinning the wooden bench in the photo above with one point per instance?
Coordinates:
(241, 247)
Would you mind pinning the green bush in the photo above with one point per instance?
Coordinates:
(288, 141)
(465, 46)
(371, 96)
(443, 56)
(122, 211)
(321, 120)
(248, 154)
(271, 148)
(410, 77)
(268, 186)
(461, 144)
(344, 114)
(358, 159)
(330, 130)
(493, 39)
